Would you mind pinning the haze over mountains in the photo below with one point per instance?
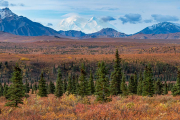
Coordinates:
(19, 25)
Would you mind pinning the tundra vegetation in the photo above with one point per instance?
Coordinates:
(103, 86)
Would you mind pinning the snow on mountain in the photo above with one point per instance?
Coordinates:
(85, 25)
(161, 28)
(6, 12)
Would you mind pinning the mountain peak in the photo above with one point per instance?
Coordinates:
(161, 28)
(109, 29)
(93, 18)
(6, 12)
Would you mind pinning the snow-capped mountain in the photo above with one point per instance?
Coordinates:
(162, 28)
(6, 12)
(85, 25)
(19, 25)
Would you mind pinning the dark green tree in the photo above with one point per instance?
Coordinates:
(124, 86)
(1, 90)
(102, 83)
(83, 85)
(91, 88)
(51, 88)
(16, 91)
(140, 84)
(77, 85)
(65, 85)
(27, 89)
(158, 87)
(135, 83)
(165, 91)
(5, 91)
(42, 86)
(54, 70)
(131, 85)
(35, 86)
(148, 83)
(69, 86)
(59, 85)
(73, 84)
(116, 76)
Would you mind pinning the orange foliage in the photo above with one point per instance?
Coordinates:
(71, 107)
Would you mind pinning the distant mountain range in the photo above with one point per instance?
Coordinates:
(19, 25)
(82, 24)
(105, 32)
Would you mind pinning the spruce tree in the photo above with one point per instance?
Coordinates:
(131, 85)
(165, 88)
(64, 85)
(158, 87)
(51, 88)
(176, 88)
(116, 76)
(16, 91)
(42, 86)
(5, 91)
(59, 85)
(135, 83)
(69, 86)
(91, 87)
(73, 85)
(102, 83)
(27, 89)
(124, 86)
(140, 84)
(148, 83)
(77, 85)
(35, 86)
(83, 85)
(1, 90)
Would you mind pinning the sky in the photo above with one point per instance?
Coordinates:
(128, 16)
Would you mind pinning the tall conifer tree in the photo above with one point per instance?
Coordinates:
(148, 83)
(165, 88)
(158, 87)
(1, 90)
(59, 85)
(64, 85)
(27, 89)
(69, 86)
(91, 87)
(176, 88)
(124, 86)
(42, 86)
(116, 76)
(83, 85)
(140, 84)
(51, 88)
(16, 91)
(102, 85)
(131, 85)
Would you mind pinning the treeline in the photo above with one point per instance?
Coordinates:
(101, 84)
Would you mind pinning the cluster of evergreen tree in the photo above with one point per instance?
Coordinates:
(100, 84)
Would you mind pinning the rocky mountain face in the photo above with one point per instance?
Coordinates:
(104, 33)
(161, 28)
(72, 33)
(19, 25)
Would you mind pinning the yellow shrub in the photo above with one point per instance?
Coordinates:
(25, 59)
